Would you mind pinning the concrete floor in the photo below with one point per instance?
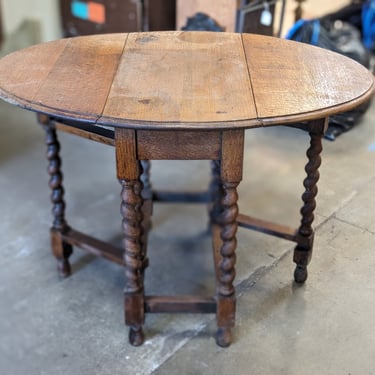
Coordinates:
(75, 326)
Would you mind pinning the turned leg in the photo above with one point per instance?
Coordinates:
(60, 248)
(131, 209)
(129, 170)
(226, 291)
(145, 178)
(146, 208)
(305, 236)
(215, 192)
(230, 176)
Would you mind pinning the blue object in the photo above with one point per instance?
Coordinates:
(80, 9)
(294, 29)
(368, 24)
(298, 25)
(315, 33)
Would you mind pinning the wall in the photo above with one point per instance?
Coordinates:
(46, 12)
(15, 12)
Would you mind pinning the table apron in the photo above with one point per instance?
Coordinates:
(178, 145)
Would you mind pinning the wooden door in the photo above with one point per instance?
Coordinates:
(161, 15)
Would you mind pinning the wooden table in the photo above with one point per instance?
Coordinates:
(180, 95)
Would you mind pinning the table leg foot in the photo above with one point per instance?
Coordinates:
(302, 257)
(224, 336)
(63, 265)
(136, 336)
(300, 274)
(62, 251)
(63, 268)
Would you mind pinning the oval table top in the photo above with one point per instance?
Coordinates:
(184, 80)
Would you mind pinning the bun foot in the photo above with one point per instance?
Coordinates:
(63, 268)
(300, 274)
(136, 336)
(224, 337)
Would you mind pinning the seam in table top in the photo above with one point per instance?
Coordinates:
(249, 75)
(113, 79)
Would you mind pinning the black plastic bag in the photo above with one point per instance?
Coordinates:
(202, 22)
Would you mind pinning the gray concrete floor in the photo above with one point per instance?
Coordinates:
(75, 326)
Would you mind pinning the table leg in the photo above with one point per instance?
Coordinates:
(60, 248)
(215, 192)
(230, 176)
(305, 236)
(131, 209)
(129, 171)
(145, 178)
(226, 291)
(146, 208)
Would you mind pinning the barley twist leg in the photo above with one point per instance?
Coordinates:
(60, 248)
(131, 210)
(226, 291)
(215, 191)
(305, 236)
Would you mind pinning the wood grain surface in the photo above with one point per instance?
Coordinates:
(185, 80)
(180, 78)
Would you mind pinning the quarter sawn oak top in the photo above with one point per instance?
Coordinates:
(183, 80)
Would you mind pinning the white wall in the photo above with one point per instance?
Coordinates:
(15, 12)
